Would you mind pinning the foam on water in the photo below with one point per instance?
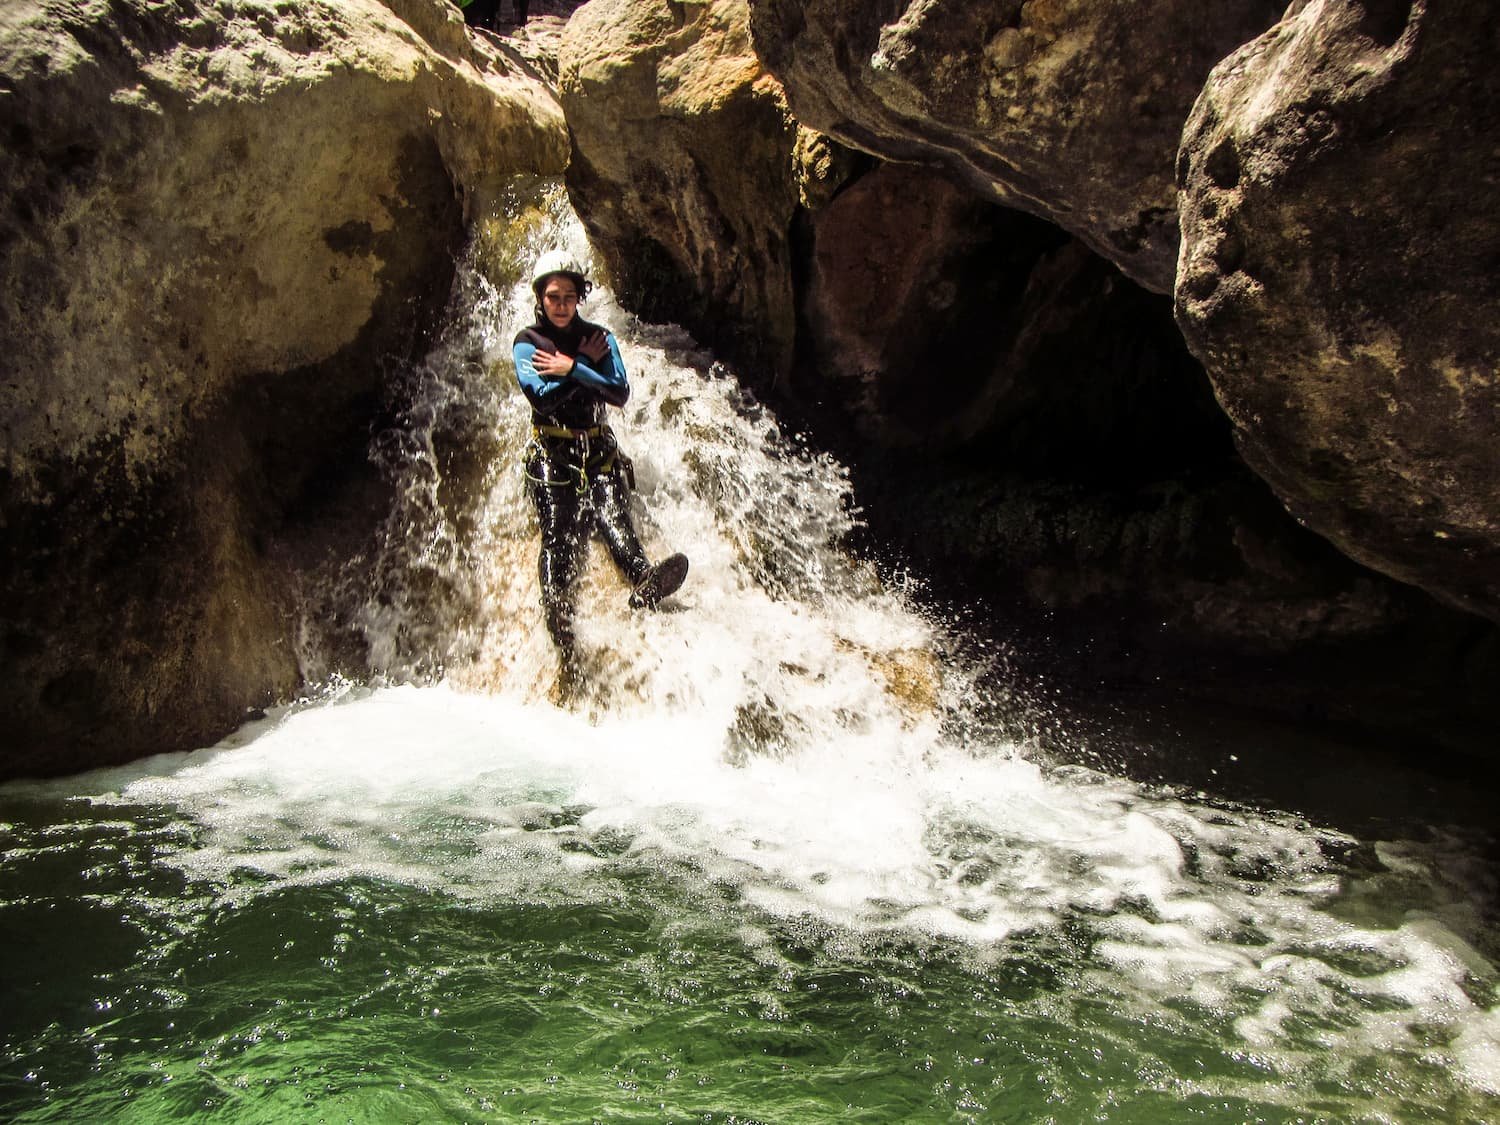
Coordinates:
(1233, 914)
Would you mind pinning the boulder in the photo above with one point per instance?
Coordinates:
(222, 226)
(688, 169)
(1338, 279)
(1068, 109)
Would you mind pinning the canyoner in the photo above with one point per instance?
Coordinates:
(570, 371)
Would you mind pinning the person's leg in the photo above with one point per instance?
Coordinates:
(521, 6)
(649, 584)
(612, 518)
(557, 574)
(561, 516)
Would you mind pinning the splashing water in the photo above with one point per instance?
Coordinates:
(765, 868)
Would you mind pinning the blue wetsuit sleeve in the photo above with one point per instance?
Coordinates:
(544, 394)
(606, 377)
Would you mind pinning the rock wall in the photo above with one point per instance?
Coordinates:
(979, 330)
(688, 169)
(1067, 109)
(1339, 278)
(221, 224)
(694, 167)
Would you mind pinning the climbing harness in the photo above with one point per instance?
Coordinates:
(584, 447)
(565, 432)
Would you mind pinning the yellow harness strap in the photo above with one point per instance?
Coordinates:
(563, 432)
(582, 437)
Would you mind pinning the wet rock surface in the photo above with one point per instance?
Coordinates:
(1066, 109)
(936, 322)
(1338, 279)
(223, 225)
(685, 169)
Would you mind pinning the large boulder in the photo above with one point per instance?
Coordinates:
(1338, 278)
(221, 226)
(1068, 109)
(688, 169)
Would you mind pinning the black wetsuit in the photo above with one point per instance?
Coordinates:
(574, 469)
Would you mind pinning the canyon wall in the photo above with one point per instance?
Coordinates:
(223, 225)
(1340, 240)
(1172, 317)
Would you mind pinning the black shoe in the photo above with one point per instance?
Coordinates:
(661, 581)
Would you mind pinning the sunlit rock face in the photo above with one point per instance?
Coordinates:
(688, 169)
(1339, 279)
(222, 224)
(1068, 109)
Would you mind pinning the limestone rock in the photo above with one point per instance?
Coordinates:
(219, 224)
(688, 168)
(1068, 109)
(219, 191)
(1338, 279)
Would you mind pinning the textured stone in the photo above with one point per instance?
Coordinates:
(688, 169)
(1338, 279)
(220, 225)
(891, 325)
(1068, 109)
(200, 191)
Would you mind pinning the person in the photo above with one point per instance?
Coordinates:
(570, 371)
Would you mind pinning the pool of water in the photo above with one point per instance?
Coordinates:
(427, 904)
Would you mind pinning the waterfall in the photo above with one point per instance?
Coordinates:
(780, 638)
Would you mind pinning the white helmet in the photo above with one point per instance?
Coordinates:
(558, 261)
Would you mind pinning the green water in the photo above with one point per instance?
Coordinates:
(135, 994)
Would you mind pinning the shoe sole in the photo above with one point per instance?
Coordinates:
(664, 580)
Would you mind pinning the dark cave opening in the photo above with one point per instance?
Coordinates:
(1031, 441)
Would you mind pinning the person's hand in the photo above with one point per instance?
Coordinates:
(595, 346)
(552, 365)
